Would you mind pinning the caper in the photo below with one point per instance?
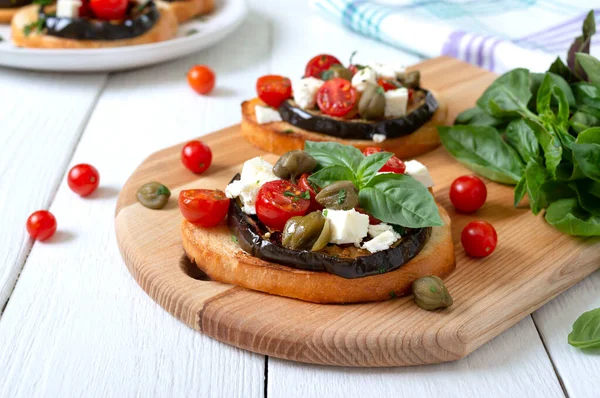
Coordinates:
(430, 293)
(412, 79)
(303, 232)
(371, 105)
(337, 70)
(153, 195)
(341, 195)
(294, 163)
(324, 238)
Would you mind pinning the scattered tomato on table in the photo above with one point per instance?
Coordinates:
(201, 79)
(203, 207)
(278, 201)
(394, 164)
(41, 225)
(196, 156)
(468, 194)
(479, 238)
(273, 89)
(83, 179)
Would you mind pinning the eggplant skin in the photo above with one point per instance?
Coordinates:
(249, 232)
(360, 130)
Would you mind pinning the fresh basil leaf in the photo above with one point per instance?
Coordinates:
(399, 199)
(333, 153)
(581, 45)
(482, 150)
(589, 25)
(594, 188)
(587, 158)
(331, 174)
(477, 117)
(558, 67)
(508, 95)
(369, 167)
(590, 65)
(550, 144)
(536, 175)
(554, 90)
(520, 190)
(582, 120)
(589, 136)
(522, 138)
(555, 190)
(587, 94)
(586, 330)
(566, 216)
(556, 80)
(587, 201)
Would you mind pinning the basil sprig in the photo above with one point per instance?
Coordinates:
(396, 199)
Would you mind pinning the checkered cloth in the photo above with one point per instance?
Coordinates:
(498, 35)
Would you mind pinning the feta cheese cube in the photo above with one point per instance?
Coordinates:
(384, 71)
(347, 226)
(376, 230)
(305, 91)
(68, 8)
(255, 173)
(395, 103)
(419, 172)
(380, 242)
(360, 79)
(264, 114)
(379, 138)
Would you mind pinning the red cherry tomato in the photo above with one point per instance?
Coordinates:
(201, 79)
(372, 220)
(479, 238)
(411, 92)
(319, 64)
(203, 207)
(393, 164)
(278, 201)
(386, 85)
(306, 185)
(109, 9)
(468, 194)
(273, 89)
(353, 69)
(83, 179)
(196, 156)
(41, 225)
(337, 97)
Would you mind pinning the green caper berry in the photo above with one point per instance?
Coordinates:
(430, 293)
(341, 195)
(153, 195)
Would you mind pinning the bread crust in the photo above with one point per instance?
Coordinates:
(281, 137)
(164, 29)
(6, 14)
(185, 10)
(215, 253)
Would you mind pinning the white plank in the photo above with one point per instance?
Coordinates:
(578, 369)
(77, 324)
(41, 118)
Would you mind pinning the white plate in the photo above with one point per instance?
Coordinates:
(209, 29)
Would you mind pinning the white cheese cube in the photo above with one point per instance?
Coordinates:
(419, 172)
(376, 230)
(264, 114)
(68, 8)
(384, 71)
(395, 103)
(347, 226)
(255, 173)
(380, 242)
(305, 91)
(362, 77)
(379, 138)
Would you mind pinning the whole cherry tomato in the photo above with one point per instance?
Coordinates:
(109, 9)
(41, 225)
(387, 85)
(319, 64)
(337, 97)
(306, 185)
(479, 238)
(201, 79)
(196, 156)
(468, 194)
(393, 164)
(273, 89)
(83, 179)
(278, 201)
(203, 207)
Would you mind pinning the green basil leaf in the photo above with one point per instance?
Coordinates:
(477, 117)
(399, 199)
(536, 175)
(586, 330)
(333, 153)
(587, 201)
(587, 94)
(563, 104)
(331, 174)
(589, 25)
(590, 65)
(566, 216)
(520, 190)
(555, 190)
(558, 67)
(594, 188)
(369, 167)
(509, 94)
(589, 136)
(550, 144)
(522, 138)
(558, 81)
(482, 150)
(587, 158)
(581, 120)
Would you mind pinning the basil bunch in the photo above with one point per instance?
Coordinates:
(396, 199)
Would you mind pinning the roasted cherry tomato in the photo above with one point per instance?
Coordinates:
(306, 185)
(393, 165)
(274, 89)
(203, 207)
(468, 194)
(319, 64)
(196, 156)
(83, 179)
(387, 85)
(336, 97)
(278, 201)
(41, 225)
(479, 238)
(109, 9)
(201, 79)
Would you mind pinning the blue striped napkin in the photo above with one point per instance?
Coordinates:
(498, 35)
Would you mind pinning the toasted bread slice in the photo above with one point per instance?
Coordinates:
(6, 14)
(281, 137)
(187, 9)
(215, 253)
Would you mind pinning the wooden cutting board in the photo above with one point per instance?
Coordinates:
(532, 263)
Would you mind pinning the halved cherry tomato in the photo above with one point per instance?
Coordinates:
(320, 64)
(372, 220)
(336, 97)
(201, 79)
(411, 92)
(83, 179)
(393, 164)
(479, 238)
(203, 207)
(468, 194)
(196, 156)
(306, 185)
(41, 225)
(109, 9)
(278, 201)
(274, 89)
(387, 85)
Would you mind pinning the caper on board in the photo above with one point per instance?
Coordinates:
(306, 232)
(153, 195)
(294, 163)
(337, 70)
(430, 293)
(371, 105)
(341, 195)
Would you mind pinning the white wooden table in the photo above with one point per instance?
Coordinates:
(74, 322)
